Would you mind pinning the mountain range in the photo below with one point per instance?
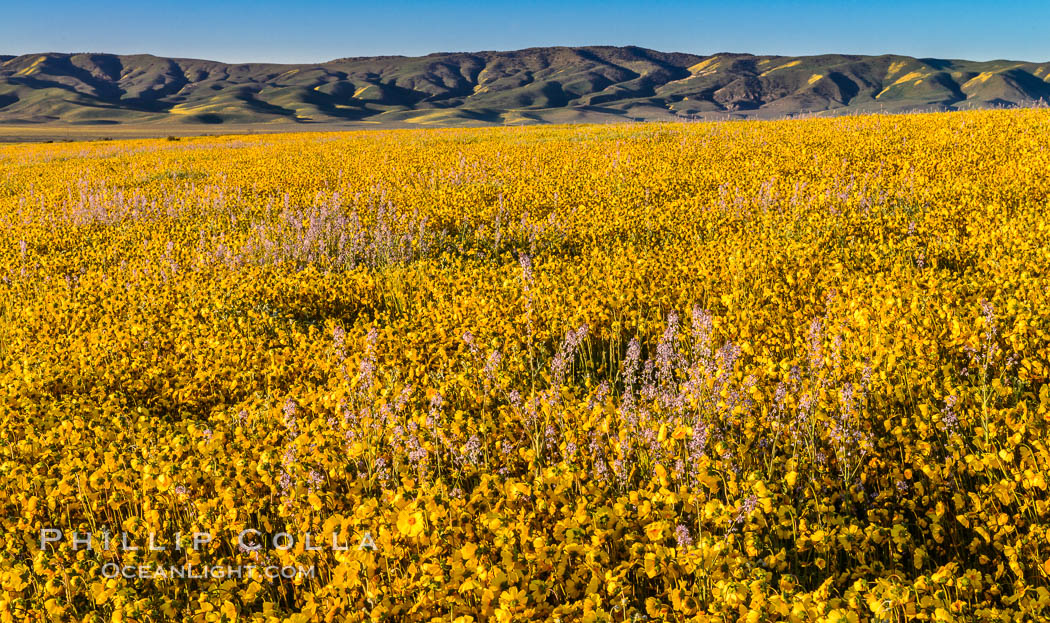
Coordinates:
(536, 85)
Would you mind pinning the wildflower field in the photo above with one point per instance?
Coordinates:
(752, 371)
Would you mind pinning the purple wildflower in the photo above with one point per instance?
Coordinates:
(816, 352)
(949, 420)
(682, 536)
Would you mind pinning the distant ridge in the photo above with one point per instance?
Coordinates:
(536, 85)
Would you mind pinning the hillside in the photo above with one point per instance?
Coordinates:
(526, 86)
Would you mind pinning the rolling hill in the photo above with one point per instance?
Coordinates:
(535, 85)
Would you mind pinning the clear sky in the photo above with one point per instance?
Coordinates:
(314, 31)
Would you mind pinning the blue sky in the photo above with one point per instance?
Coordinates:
(316, 31)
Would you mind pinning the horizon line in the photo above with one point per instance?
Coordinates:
(508, 51)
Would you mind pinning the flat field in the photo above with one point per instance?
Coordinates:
(757, 371)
